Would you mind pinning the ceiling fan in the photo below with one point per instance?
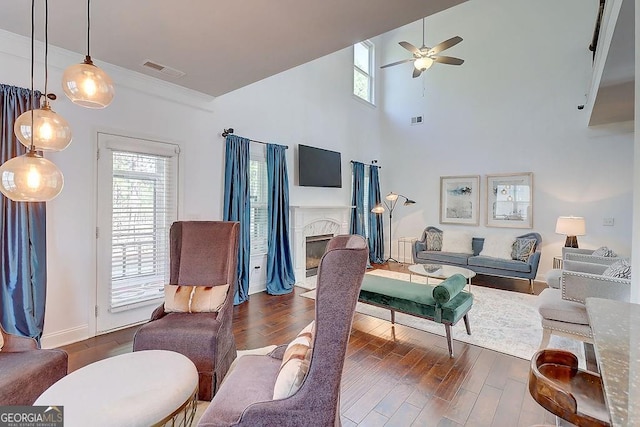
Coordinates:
(424, 57)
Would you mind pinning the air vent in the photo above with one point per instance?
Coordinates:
(172, 72)
(417, 120)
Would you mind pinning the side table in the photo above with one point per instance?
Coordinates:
(557, 262)
(403, 241)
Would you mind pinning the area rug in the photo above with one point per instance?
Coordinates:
(504, 321)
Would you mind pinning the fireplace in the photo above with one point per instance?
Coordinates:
(309, 221)
(315, 247)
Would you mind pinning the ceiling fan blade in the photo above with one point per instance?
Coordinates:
(450, 60)
(411, 48)
(445, 45)
(416, 72)
(398, 62)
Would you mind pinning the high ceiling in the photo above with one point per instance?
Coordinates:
(220, 45)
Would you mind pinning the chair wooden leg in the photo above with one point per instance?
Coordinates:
(447, 329)
(531, 285)
(466, 324)
(546, 336)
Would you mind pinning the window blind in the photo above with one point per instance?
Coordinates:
(258, 194)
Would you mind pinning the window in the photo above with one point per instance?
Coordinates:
(259, 201)
(138, 203)
(363, 70)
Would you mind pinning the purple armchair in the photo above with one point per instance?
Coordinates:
(246, 396)
(203, 253)
(27, 370)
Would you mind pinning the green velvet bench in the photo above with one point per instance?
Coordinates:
(445, 303)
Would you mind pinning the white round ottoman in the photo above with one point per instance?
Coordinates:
(143, 388)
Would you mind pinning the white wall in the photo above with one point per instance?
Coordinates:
(311, 104)
(510, 108)
(142, 107)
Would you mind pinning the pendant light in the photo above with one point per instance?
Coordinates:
(85, 84)
(30, 177)
(51, 131)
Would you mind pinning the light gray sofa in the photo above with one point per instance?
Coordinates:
(480, 264)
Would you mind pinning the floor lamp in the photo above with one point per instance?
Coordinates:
(391, 205)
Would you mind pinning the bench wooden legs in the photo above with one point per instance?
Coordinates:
(447, 329)
(466, 324)
(393, 317)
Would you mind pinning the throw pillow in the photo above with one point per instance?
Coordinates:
(604, 252)
(498, 246)
(176, 298)
(456, 241)
(434, 240)
(295, 363)
(208, 299)
(620, 269)
(522, 249)
(194, 299)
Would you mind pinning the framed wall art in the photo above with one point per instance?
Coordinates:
(459, 199)
(510, 200)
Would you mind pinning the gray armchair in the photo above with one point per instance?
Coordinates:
(202, 253)
(562, 310)
(586, 255)
(27, 371)
(246, 396)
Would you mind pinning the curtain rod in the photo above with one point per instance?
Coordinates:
(229, 131)
(373, 163)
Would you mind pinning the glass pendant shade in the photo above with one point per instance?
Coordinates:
(87, 85)
(30, 178)
(52, 131)
(423, 63)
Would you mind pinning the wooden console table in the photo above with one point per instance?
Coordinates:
(616, 338)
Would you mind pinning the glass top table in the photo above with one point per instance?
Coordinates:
(440, 271)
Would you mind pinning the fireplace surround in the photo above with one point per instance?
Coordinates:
(309, 221)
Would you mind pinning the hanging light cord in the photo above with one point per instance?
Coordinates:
(33, 94)
(88, 25)
(46, 49)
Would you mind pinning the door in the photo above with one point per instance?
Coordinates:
(137, 203)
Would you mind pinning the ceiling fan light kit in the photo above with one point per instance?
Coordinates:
(424, 57)
(86, 84)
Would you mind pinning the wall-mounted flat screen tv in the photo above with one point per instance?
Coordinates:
(318, 167)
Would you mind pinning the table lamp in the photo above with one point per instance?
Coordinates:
(571, 226)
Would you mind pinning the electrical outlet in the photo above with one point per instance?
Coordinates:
(607, 221)
(417, 120)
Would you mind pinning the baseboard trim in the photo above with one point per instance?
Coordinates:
(66, 336)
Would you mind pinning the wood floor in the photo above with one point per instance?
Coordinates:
(393, 376)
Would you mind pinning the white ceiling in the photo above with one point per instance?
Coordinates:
(221, 45)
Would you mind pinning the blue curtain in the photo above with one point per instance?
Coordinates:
(237, 206)
(280, 277)
(376, 236)
(23, 234)
(357, 200)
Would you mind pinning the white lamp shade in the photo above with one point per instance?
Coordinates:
(391, 196)
(423, 63)
(378, 209)
(30, 178)
(87, 85)
(571, 226)
(52, 131)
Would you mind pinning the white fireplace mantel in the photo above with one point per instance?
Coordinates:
(313, 221)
